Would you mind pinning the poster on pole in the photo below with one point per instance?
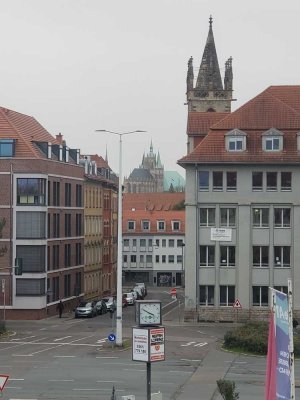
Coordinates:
(157, 344)
(278, 376)
(140, 344)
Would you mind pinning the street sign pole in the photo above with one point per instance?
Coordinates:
(3, 291)
(148, 380)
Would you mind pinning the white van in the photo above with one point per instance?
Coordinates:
(143, 286)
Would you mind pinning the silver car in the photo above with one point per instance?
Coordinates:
(110, 303)
(86, 309)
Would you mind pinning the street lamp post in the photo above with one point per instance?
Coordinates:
(119, 335)
(182, 265)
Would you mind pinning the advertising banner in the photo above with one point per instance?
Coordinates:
(140, 344)
(157, 344)
(221, 234)
(278, 374)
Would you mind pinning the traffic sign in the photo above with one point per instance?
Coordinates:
(3, 380)
(173, 291)
(237, 304)
(111, 337)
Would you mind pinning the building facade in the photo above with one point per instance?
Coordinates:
(153, 239)
(242, 191)
(41, 219)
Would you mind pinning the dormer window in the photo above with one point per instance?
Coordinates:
(131, 225)
(235, 140)
(160, 225)
(145, 225)
(272, 140)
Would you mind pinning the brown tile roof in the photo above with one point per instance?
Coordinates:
(25, 130)
(151, 201)
(153, 216)
(199, 123)
(277, 107)
(101, 163)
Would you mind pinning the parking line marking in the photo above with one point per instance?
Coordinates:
(200, 344)
(66, 337)
(64, 356)
(186, 359)
(60, 380)
(108, 357)
(187, 344)
(15, 379)
(27, 337)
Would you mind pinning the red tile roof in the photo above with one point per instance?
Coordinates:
(154, 216)
(101, 163)
(277, 107)
(25, 130)
(152, 201)
(199, 123)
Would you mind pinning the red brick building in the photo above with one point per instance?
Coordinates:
(41, 219)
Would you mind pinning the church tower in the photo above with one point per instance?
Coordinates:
(209, 94)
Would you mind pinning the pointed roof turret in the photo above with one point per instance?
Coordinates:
(209, 77)
(158, 162)
(151, 147)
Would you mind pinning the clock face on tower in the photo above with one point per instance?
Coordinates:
(149, 313)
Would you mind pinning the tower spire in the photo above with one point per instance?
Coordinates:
(209, 77)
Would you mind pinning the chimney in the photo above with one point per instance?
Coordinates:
(59, 138)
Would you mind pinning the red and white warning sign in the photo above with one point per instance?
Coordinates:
(3, 380)
(237, 304)
(173, 292)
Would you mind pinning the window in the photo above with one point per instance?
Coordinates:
(161, 225)
(163, 259)
(227, 256)
(260, 217)
(207, 217)
(179, 242)
(171, 242)
(227, 216)
(207, 255)
(143, 243)
(150, 243)
(67, 194)
(56, 193)
(272, 144)
(230, 181)
(272, 181)
(134, 244)
(157, 242)
(56, 225)
(78, 254)
(125, 258)
(282, 256)
(175, 225)
(33, 258)
(78, 284)
(203, 180)
(171, 259)
(133, 258)
(260, 296)
(179, 259)
(31, 191)
(283, 289)
(55, 256)
(217, 180)
(286, 181)
(145, 225)
(157, 258)
(126, 243)
(7, 147)
(31, 225)
(78, 195)
(149, 258)
(67, 225)
(78, 225)
(227, 296)
(30, 287)
(142, 258)
(236, 143)
(131, 225)
(67, 285)
(257, 181)
(260, 256)
(207, 295)
(67, 255)
(163, 242)
(55, 288)
(282, 217)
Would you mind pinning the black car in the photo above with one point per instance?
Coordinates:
(101, 307)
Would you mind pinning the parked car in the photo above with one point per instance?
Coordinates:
(140, 293)
(101, 307)
(86, 309)
(143, 286)
(135, 294)
(110, 303)
(130, 298)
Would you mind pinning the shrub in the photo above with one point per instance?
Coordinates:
(227, 389)
(253, 337)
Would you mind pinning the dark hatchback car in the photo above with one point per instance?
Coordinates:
(86, 309)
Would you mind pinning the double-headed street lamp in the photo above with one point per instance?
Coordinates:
(119, 339)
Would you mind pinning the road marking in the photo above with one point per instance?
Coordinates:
(200, 344)
(60, 380)
(202, 333)
(188, 344)
(186, 359)
(64, 356)
(135, 370)
(182, 372)
(42, 329)
(101, 341)
(22, 355)
(66, 337)
(110, 381)
(108, 357)
(26, 337)
(13, 387)
(15, 379)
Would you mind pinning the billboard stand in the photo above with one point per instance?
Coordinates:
(291, 333)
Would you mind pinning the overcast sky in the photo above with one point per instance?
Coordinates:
(81, 65)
